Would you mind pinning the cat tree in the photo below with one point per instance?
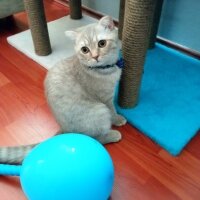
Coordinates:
(138, 22)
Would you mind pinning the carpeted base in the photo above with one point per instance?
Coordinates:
(169, 106)
(62, 46)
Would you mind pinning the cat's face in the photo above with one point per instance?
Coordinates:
(96, 44)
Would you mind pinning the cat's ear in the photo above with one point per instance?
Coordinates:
(107, 22)
(71, 34)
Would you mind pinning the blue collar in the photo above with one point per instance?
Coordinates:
(119, 63)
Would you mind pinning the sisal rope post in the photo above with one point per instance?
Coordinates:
(75, 9)
(38, 26)
(121, 18)
(135, 37)
(155, 23)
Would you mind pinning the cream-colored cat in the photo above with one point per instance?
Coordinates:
(80, 89)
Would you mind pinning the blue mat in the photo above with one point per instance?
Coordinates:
(169, 105)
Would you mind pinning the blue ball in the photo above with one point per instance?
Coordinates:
(68, 167)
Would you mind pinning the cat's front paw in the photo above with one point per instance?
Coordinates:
(119, 120)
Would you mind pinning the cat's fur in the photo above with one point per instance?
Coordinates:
(80, 89)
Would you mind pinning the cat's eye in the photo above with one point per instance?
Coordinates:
(85, 50)
(102, 43)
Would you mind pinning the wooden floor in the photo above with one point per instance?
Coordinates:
(144, 171)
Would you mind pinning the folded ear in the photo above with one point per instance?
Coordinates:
(107, 22)
(71, 34)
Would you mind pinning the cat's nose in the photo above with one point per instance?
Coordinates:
(95, 57)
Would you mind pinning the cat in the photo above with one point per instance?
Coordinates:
(80, 89)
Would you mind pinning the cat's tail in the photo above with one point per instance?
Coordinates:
(14, 155)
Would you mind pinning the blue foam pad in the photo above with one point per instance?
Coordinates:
(168, 110)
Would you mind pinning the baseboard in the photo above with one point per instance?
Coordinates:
(161, 40)
(87, 11)
(179, 47)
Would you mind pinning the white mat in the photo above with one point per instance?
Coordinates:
(62, 47)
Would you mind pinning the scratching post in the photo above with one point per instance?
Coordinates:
(121, 18)
(38, 26)
(75, 9)
(155, 23)
(137, 21)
